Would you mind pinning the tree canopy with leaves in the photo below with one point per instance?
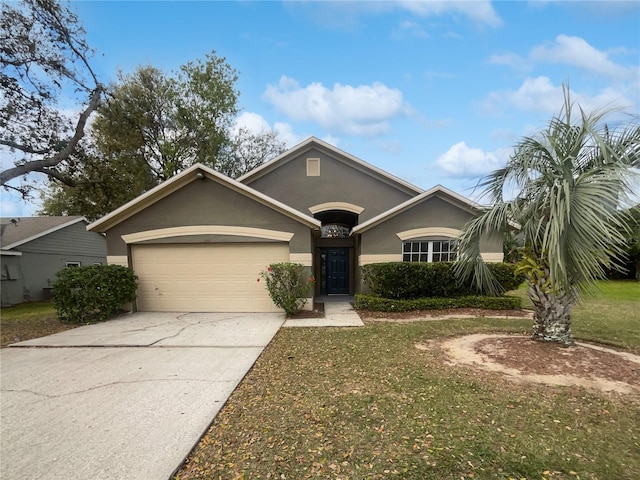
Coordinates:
(567, 188)
(152, 126)
(45, 71)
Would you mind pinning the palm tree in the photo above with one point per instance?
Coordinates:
(566, 185)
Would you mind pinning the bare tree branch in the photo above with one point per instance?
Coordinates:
(40, 165)
(44, 55)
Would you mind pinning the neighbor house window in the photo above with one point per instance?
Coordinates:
(428, 251)
(73, 264)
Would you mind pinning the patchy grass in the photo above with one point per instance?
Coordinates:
(366, 404)
(27, 321)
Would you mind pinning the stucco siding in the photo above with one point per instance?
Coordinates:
(207, 202)
(434, 212)
(337, 182)
(382, 243)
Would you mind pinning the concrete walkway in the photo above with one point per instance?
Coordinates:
(336, 314)
(124, 399)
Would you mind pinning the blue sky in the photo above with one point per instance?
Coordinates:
(433, 92)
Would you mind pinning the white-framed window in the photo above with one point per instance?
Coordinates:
(428, 251)
(73, 264)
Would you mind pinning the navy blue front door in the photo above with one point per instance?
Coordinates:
(337, 272)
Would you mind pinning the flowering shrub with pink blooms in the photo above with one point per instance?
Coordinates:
(288, 285)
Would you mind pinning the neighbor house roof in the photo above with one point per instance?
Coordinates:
(440, 191)
(19, 230)
(334, 152)
(180, 180)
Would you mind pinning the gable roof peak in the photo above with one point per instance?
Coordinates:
(333, 151)
(458, 199)
(183, 178)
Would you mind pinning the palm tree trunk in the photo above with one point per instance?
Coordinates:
(552, 314)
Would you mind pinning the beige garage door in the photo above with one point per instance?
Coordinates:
(205, 277)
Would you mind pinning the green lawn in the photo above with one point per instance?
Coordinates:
(611, 316)
(366, 404)
(27, 321)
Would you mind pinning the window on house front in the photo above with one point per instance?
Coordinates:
(429, 251)
(73, 264)
(335, 230)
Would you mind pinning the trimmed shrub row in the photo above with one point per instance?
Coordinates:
(371, 302)
(92, 293)
(409, 280)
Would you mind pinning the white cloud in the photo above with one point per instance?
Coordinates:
(510, 59)
(577, 52)
(479, 11)
(346, 15)
(365, 110)
(540, 95)
(465, 162)
(256, 123)
(408, 28)
(286, 134)
(12, 205)
(534, 95)
(253, 122)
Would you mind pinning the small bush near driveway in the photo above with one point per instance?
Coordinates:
(92, 293)
(288, 285)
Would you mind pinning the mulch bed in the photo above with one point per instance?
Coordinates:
(540, 358)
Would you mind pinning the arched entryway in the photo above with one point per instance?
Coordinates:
(335, 252)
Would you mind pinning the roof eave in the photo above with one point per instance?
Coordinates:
(335, 150)
(173, 184)
(43, 233)
(471, 206)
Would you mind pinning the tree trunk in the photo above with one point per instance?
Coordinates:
(552, 315)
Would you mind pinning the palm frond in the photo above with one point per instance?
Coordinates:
(570, 180)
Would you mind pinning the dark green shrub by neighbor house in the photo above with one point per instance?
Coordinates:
(409, 280)
(92, 293)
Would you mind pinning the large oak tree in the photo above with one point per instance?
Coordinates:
(45, 72)
(153, 125)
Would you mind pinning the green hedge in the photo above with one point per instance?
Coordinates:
(379, 304)
(92, 293)
(409, 280)
(505, 273)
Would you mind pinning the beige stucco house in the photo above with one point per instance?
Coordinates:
(199, 241)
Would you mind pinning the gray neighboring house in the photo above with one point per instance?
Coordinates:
(199, 241)
(34, 249)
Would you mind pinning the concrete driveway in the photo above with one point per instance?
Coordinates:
(124, 399)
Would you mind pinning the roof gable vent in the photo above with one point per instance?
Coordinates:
(313, 167)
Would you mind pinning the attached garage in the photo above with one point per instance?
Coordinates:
(205, 277)
(199, 241)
